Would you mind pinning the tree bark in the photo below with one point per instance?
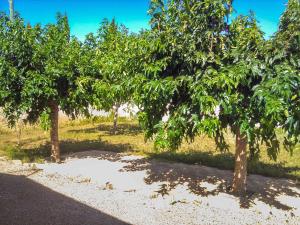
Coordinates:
(240, 170)
(11, 10)
(115, 126)
(55, 150)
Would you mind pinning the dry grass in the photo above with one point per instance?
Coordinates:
(95, 134)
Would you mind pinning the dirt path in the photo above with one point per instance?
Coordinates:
(108, 188)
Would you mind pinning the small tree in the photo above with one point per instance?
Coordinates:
(242, 70)
(61, 76)
(112, 53)
(205, 73)
(50, 77)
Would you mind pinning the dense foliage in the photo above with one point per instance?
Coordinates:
(41, 72)
(280, 89)
(200, 71)
(207, 75)
(109, 70)
(112, 52)
(40, 66)
(15, 62)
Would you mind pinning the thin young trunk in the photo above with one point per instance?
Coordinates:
(116, 110)
(240, 170)
(19, 131)
(55, 150)
(11, 10)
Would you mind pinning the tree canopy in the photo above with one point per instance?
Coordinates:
(208, 74)
(279, 91)
(196, 68)
(110, 49)
(16, 56)
(41, 71)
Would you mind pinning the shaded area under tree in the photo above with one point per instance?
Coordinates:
(23, 201)
(260, 188)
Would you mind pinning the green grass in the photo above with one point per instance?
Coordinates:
(95, 134)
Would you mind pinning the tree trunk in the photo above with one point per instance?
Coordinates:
(19, 131)
(115, 126)
(240, 170)
(55, 150)
(11, 10)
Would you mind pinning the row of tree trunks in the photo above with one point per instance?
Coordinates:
(240, 170)
(55, 150)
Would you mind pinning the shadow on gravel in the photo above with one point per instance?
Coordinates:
(262, 188)
(122, 129)
(23, 201)
(197, 177)
(70, 146)
(67, 147)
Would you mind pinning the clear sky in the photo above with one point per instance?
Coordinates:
(86, 15)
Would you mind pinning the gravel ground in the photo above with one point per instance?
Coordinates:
(108, 188)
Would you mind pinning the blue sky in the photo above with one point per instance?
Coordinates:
(86, 15)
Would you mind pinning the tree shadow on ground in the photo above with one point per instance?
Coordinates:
(225, 160)
(221, 161)
(262, 188)
(197, 177)
(194, 176)
(67, 147)
(23, 201)
(71, 146)
(122, 129)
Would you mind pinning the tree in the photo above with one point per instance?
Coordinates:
(242, 71)
(61, 77)
(45, 75)
(111, 86)
(204, 72)
(187, 41)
